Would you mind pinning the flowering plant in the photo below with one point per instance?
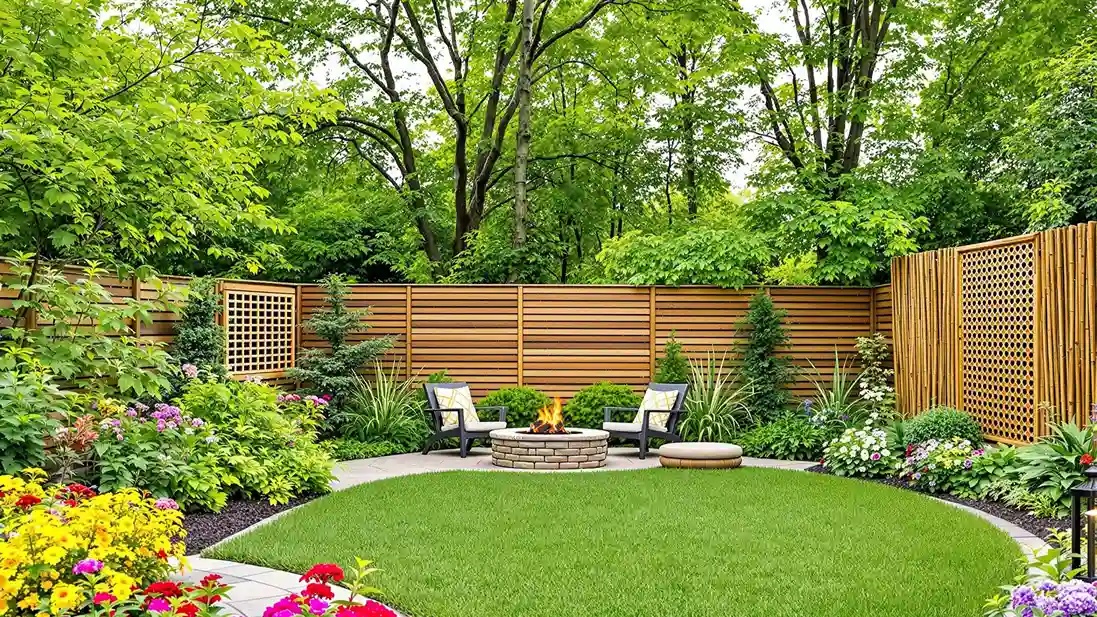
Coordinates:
(1046, 588)
(936, 466)
(64, 543)
(861, 452)
(876, 380)
(318, 597)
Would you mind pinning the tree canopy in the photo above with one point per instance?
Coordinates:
(629, 141)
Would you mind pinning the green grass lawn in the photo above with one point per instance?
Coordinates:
(657, 542)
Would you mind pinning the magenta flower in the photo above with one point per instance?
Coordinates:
(159, 605)
(87, 566)
(318, 606)
(165, 503)
(875, 456)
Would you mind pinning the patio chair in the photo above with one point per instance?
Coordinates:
(453, 414)
(664, 424)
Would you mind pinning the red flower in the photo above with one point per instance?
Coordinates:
(166, 589)
(1087, 458)
(910, 448)
(187, 609)
(323, 572)
(162, 554)
(104, 598)
(318, 590)
(26, 501)
(209, 578)
(371, 608)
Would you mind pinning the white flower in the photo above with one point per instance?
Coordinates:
(843, 450)
(864, 455)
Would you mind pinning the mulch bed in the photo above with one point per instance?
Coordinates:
(205, 529)
(1035, 525)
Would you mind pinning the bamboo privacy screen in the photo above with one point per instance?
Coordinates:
(1002, 329)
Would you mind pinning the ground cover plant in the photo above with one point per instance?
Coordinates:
(791, 437)
(781, 547)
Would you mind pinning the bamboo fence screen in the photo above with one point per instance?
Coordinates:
(1004, 330)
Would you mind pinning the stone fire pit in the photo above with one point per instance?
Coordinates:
(579, 448)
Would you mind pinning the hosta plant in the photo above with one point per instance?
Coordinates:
(939, 466)
(991, 474)
(861, 452)
(1055, 464)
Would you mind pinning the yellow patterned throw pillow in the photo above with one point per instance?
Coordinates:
(456, 398)
(657, 399)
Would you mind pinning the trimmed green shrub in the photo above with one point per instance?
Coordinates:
(673, 367)
(766, 372)
(586, 408)
(521, 402)
(789, 437)
(344, 449)
(942, 423)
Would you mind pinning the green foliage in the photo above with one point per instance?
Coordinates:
(521, 402)
(991, 475)
(31, 404)
(790, 437)
(875, 380)
(386, 408)
(861, 452)
(1054, 465)
(940, 466)
(199, 339)
(767, 372)
(61, 327)
(836, 401)
(114, 151)
(942, 423)
(333, 370)
(716, 406)
(587, 408)
(346, 449)
(674, 366)
(702, 256)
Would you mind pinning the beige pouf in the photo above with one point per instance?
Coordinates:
(700, 455)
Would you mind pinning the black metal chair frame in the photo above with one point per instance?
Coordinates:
(465, 437)
(646, 430)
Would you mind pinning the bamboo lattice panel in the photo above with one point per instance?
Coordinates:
(260, 328)
(997, 328)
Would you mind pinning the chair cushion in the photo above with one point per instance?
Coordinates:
(456, 398)
(622, 427)
(700, 450)
(657, 399)
(484, 427)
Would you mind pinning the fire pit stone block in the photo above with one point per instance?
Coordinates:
(579, 448)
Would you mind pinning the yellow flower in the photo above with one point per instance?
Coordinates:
(30, 602)
(47, 585)
(65, 597)
(53, 555)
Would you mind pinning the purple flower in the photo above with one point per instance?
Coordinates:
(318, 606)
(197, 422)
(190, 371)
(164, 503)
(87, 566)
(159, 605)
(967, 463)
(131, 412)
(875, 456)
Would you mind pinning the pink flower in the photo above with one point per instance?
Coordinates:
(286, 607)
(875, 456)
(318, 606)
(190, 371)
(104, 598)
(87, 566)
(165, 503)
(159, 605)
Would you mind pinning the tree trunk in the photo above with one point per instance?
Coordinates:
(521, 151)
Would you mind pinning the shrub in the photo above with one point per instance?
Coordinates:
(991, 475)
(716, 407)
(385, 409)
(943, 423)
(586, 408)
(199, 339)
(1055, 465)
(861, 452)
(767, 373)
(875, 380)
(837, 403)
(521, 402)
(674, 366)
(343, 449)
(790, 437)
(125, 539)
(30, 403)
(333, 370)
(939, 466)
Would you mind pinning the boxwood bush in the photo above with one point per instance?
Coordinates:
(942, 423)
(521, 402)
(586, 408)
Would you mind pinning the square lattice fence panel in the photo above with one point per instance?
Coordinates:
(260, 328)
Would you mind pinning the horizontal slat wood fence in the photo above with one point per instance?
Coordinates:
(560, 339)
(1004, 330)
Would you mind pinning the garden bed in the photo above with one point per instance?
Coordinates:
(1037, 526)
(204, 529)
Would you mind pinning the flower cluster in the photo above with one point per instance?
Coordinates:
(189, 371)
(1067, 599)
(63, 544)
(860, 452)
(309, 400)
(935, 465)
(79, 436)
(316, 599)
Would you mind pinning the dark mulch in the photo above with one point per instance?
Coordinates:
(1035, 525)
(204, 529)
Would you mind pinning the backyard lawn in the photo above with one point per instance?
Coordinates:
(646, 543)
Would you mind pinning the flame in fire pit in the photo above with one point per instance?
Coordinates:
(550, 420)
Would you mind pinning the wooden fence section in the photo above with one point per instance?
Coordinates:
(1004, 330)
(560, 339)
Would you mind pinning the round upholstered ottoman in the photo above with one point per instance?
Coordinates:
(700, 455)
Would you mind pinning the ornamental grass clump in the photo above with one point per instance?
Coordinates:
(61, 543)
(939, 466)
(861, 452)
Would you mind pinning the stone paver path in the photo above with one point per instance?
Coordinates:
(254, 588)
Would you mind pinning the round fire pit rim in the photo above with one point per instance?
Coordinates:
(573, 434)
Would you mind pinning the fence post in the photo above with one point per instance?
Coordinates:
(135, 293)
(651, 330)
(407, 330)
(521, 336)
